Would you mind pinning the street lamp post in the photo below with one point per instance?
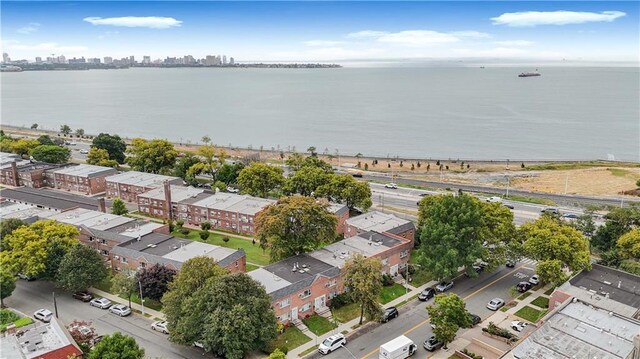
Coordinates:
(141, 299)
(508, 184)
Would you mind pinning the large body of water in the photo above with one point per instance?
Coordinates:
(427, 112)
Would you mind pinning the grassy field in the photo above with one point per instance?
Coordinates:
(530, 314)
(251, 267)
(534, 200)
(346, 313)
(254, 253)
(318, 325)
(291, 338)
(391, 292)
(542, 302)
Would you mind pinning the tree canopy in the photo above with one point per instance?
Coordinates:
(24, 146)
(617, 222)
(65, 129)
(118, 207)
(7, 284)
(345, 189)
(113, 144)
(117, 346)
(448, 314)
(182, 166)
(294, 225)
(629, 244)
(123, 284)
(228, 173)
(155, 280)
(364, 279)
(81, 268)
(100, 157)
(51, 154)
(306, 180)
(154, 156)
(258, 179)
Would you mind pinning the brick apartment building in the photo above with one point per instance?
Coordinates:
(18, 172)
(305, 284)
(380, 222)
(342, 214)
(82, 178)
(127, 185)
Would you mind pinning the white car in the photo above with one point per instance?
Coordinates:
(535, 279)
(84, 152)
(443, 286)
(495, 304)
(102, 303)
(43, 315)
(160, 326)
(391, 185)
(332, 343)
(232, 190)
(518, 326)
(494, 199)
(120, 309)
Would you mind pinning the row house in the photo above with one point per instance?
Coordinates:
(168, 201)
(82, 178)
(128, 185)
(305, 284)
(51, 199)
(24, 173)
(342, 214)
(380, 222)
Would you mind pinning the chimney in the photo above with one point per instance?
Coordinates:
(101, 205)
(14, 170)
(167, 200)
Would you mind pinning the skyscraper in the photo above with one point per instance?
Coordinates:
(231, 61)
(108, 60)
(5, 58)
(224, 59)
(146, 60)
(38, 60)
(132, 60)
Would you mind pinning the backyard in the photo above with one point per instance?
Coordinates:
(255, 254)
(318, 325)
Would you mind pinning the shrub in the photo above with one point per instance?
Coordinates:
(496, 330)
(205, 226)
(7, 316)
(185, 231)
(225, 239)
(471, 354)
(340, 301)
(387, 280)
(284, 350)
(204, 235)
(180, 223)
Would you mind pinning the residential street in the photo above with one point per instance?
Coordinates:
(413, 320)
(31, 296)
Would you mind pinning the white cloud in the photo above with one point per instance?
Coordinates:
(365, 34)
(418, 38)
(535, 18)
(31, 27)
(323, 43)
(45, 47)
(152, 22)
(471, 34)
(514, 43)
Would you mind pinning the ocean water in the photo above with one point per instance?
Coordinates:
(568, 113)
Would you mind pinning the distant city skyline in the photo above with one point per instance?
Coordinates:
(208, 60)
(324, 31)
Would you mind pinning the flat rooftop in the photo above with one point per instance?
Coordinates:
(337, 208)
(192, 249)
(23, 211)
(84, 170)
(46, 340)
(367, 244)
(141, 179)
(617, 285)
(579, 330)
(178, 193)
(378, 222)
(91, 219)
(234, 203)
(46, 198)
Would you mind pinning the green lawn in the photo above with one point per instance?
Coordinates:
(148, 302)
(420, 276)
(530, 314)
(318, 325)
(291, 338)
(542, 302)
(251, 267)
(524, 295)
(254, 253)
(8, 317)
(391, 292)
(346, 313)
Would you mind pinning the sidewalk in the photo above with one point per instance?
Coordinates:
(315, 340)
(134, 306)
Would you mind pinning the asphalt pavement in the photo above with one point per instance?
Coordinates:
(31, 296)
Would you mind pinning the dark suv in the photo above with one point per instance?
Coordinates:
(427, 294)
(523, 286)
(389, 313)
(83, 296)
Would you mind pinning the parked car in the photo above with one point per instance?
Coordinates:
(232, 190)
(443, 286)
(535, 279)
(43, 315)
(332, 343)
(495, 304)
(508, 206)
(83, 296)
(160, 326)
(427, 294)
(391, 185)
(518, 326)
(84, 152)
(26, 277)
(475, 319)
(523, 286)
(511, 263)
(432, 344)
(389, 313)
(476, 268)
(494, 199)
(550, 211)
(102, 303)
(357, 174)
(423, 194)
(120, 309)
(570, 216)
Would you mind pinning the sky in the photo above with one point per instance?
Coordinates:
(325, 31)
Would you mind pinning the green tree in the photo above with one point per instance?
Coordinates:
(363, 277)
(118, 207)
(208, 153)
(45, 140)
(497, 233)
(122, 284)
(448, 314)
(293, 225)
(79, 132)
(629, 244)
(277, 354)
(7, 226)
(55, 253)
(27, 247)
(638, 183)
(113, 144)
(238, 315)
(182, 166)
(295, 161)
(34, 126)
(228, 173)
(258, 179)
(117, 346)
(51, 154)
(345, 189)
(24, 146)
(585, 224)
(7, 284)
(550, 271)
(81, 268)
(65, 129)
(617, 222)
(206, 139)
(192, 276)
(306, 181)
(154, 156)
(547, 239)
(100, 157)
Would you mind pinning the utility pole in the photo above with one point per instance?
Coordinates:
(141, 299)
(566, 183)
(55, 304)
(508, 184)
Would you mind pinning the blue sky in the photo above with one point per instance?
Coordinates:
(325, 31)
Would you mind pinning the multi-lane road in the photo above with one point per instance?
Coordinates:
(413, 320)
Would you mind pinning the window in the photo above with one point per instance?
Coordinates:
(90, 239)
(305, 307)
(305, 294)
(104, 253)
(404, 253)
(285, 303)
(103, 241)
(385, 262)
(330, 283)
(123, 259)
